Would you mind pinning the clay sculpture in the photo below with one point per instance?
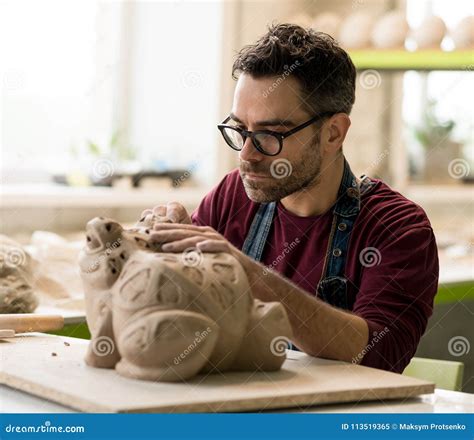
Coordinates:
(169, 316)
(16, 278)
(355, 31)
(390, 31)
(430, 33)
(463, 33)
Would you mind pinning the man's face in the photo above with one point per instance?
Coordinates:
(259, 105)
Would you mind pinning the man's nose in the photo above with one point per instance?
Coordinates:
(249, 153)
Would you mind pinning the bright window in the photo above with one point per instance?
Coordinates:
(80, 71)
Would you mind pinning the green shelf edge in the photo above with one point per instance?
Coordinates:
(419, 60)
(454, 292)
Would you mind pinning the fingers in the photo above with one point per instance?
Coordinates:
(167, 226)
(182, 245)
(172, 211)
(177, 213)
(160, 210)
(145, 213)
(177, 238)
(174, 234)
(213, 246)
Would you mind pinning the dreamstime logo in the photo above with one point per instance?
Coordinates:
(279, 344)
(370, 79)
(186, 175)
(287, 71)
(191, 257)
(459, 168)
(281, 168)
(102, 346)
(200, 336)
(458, 346)
(370, 257)
(102, 168)
(47, 426)
(379, 159)
(191, 78)
(12, 257)
(377, 336)
(109, 247)
(286, 250)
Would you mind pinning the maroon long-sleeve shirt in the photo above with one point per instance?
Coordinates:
(392, 262)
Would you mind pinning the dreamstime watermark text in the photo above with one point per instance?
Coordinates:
(288, 70)
(200, 336)
(377, 337)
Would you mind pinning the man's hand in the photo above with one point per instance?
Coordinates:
(318, 328)
(173, 211)
(179, 237)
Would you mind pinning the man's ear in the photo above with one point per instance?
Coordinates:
(334, 132)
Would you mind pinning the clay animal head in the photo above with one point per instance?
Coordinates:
(109, 245)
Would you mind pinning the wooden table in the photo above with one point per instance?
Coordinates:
(441, 401)
(52, 367)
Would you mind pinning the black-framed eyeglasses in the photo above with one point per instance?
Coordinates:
(266, 142)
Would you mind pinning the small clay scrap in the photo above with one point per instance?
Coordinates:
(169, 316)
(16, 276)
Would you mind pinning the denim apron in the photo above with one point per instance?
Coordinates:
(332, 288)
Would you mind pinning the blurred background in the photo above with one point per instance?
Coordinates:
(108, 108)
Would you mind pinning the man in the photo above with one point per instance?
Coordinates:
(354, 262)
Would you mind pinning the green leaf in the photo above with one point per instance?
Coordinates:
(93, 148)
(114, 141)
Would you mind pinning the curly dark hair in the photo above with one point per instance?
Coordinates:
(324, 70)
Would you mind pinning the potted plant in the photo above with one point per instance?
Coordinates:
(435, 136)
(100, 165)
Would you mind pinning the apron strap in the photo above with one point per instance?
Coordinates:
(257, 236)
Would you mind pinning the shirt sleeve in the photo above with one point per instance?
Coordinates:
(396, 296)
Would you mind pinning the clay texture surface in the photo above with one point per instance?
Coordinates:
(169, 316)
(16, 278)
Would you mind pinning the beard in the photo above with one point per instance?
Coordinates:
(284, 177)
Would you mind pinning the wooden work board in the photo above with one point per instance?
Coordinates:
(53, 368)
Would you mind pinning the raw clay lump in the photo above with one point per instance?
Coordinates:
(16, 278)
(169, 316)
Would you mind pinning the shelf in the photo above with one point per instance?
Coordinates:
(419, 60)
(454, 292)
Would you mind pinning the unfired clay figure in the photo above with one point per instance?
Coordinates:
(390, 31)
(355, 31)
(169, 316)
(16, 278)
(463, 33)
(430, 33)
